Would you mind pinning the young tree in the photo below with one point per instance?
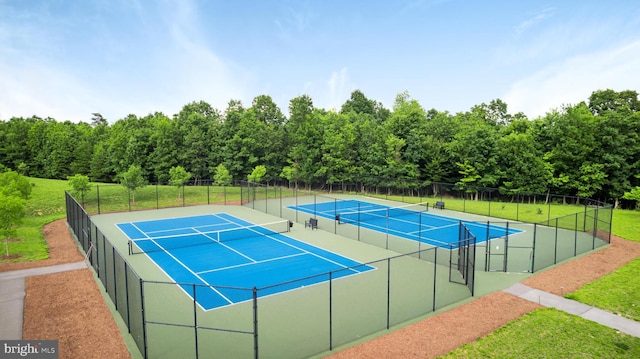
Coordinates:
(222, 176)
(79, 184)
(177, 177)
(634, 194)
(14, 184)
(132, 180)
(257, 174)
(11, 213)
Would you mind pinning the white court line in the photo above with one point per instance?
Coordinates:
(226, 246)
(248, 264)
(182, 264)
(315, 254)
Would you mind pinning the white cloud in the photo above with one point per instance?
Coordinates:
(574, 79)
(161, 73)
(532, 21)
(339, 88)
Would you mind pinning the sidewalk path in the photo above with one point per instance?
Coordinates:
(585, 311)
(12, 296)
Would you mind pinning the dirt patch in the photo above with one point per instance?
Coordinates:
(9, 256)
(69, 307)
(445, 332)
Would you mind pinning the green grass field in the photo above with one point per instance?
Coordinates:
(550, 333)
(545, 333)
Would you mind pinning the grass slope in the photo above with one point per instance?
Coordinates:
(45, 205)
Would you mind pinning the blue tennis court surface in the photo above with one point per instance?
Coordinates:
(230, 253)
(410, 222)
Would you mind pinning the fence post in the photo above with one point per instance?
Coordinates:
(98, 194)
(126, 286)
(115, 281)
(388, 292)
(195, 318)
(575, 237)
(533, 250)
(506, 250)
(435, 276)
(255, 322)
(280, 202)
(145, 353)
(331, 310)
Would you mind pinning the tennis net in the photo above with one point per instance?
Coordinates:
(197, 238)
(409, 212)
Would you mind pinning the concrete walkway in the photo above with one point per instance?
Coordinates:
(12, 296)
(585, 311)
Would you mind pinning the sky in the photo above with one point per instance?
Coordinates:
(68, 59)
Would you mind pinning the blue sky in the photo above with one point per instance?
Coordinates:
(68, 59)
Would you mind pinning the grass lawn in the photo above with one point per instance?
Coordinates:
(547, 333)
(550, 333)
(45, 205)
(617, 292)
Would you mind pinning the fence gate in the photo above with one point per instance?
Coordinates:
(462, 260)
(496, 254)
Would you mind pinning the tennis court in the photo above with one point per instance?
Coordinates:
(412, 222)
(230, 253)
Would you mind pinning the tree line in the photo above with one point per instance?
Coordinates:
(590, 149)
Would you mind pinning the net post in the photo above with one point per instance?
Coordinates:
(336, 216)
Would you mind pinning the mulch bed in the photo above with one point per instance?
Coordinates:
(80, 319)
(68, 306)
(445, 332)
